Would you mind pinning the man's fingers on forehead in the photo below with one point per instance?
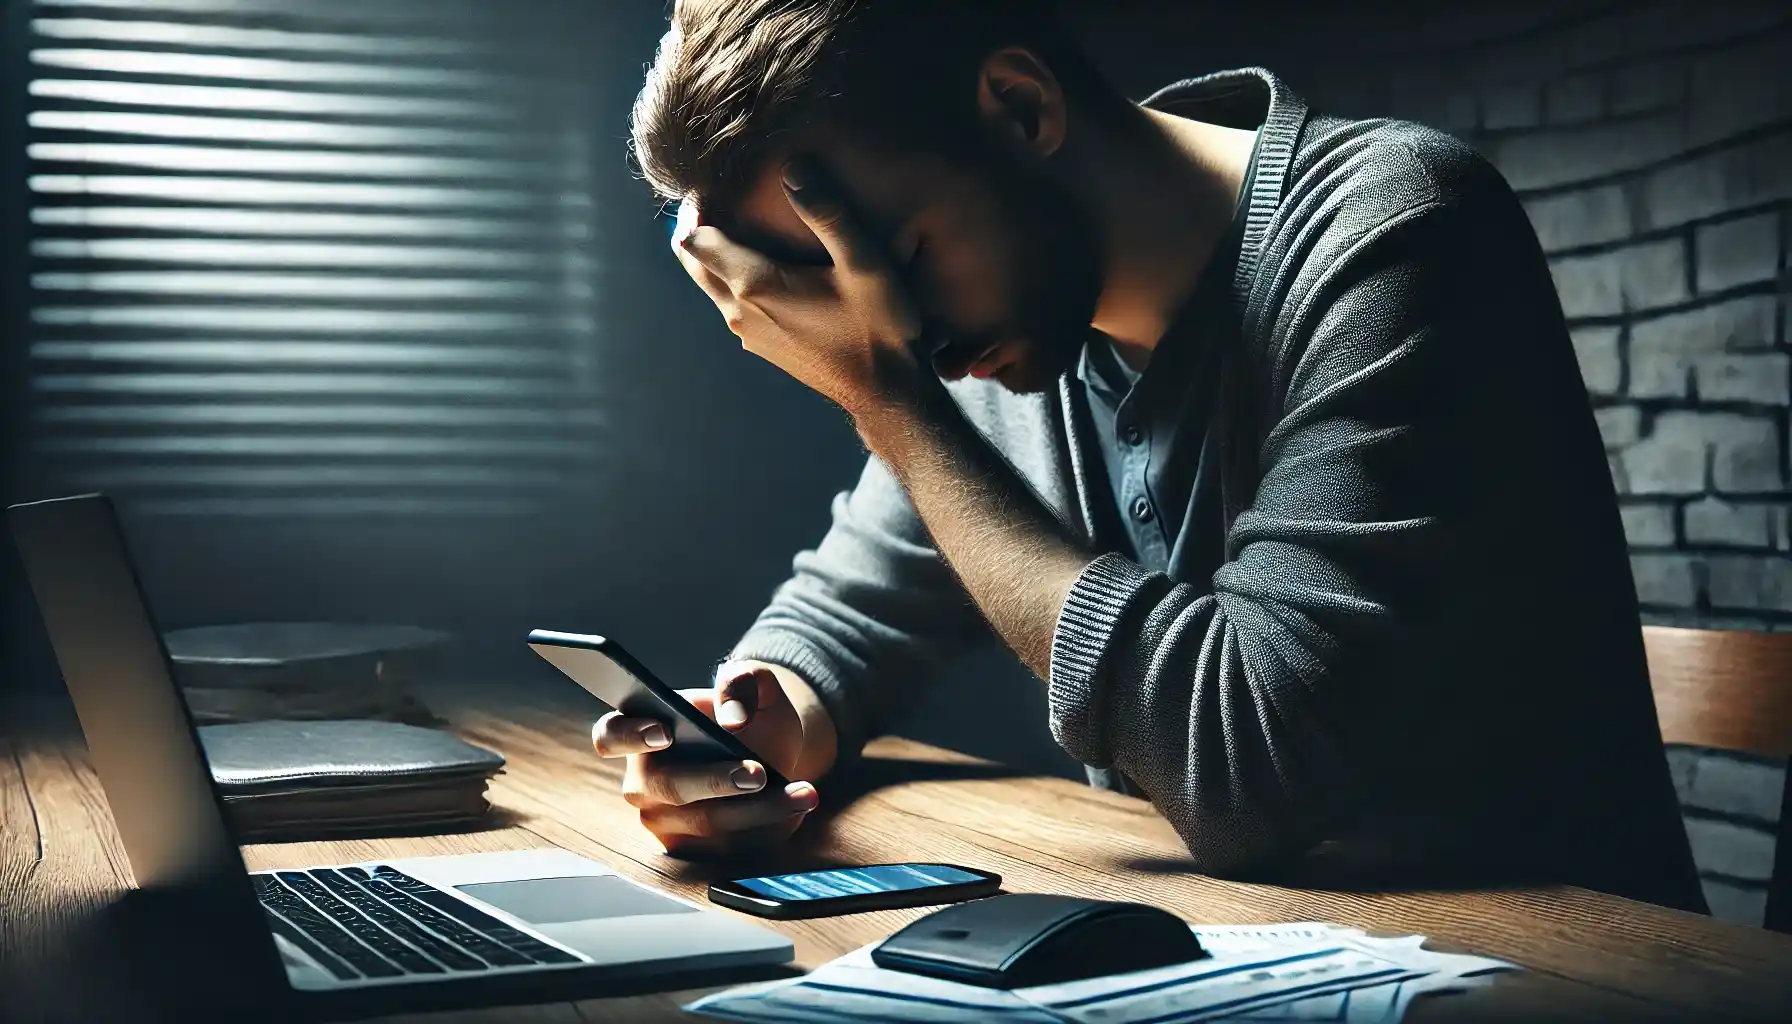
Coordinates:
(712, 248)
(823, 207)
(706, 279)
(736, 264)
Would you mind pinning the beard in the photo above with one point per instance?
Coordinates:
(1056, 275)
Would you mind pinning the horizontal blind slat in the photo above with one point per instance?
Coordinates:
(274, 101)
(247, 39)
(268, 130)
(340, 413)
(133, 220)
(172, 64)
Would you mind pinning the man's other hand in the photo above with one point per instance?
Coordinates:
(707, 808)
(846, 330)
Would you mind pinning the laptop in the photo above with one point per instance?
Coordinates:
(403, 926)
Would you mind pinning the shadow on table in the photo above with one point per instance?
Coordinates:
(870, 774)
(1339, 869)
(167, 956)
(186, 957)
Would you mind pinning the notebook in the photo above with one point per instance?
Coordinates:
(286, 780)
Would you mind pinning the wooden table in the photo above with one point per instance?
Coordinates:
(1585, 955)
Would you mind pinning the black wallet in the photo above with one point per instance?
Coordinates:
(289, 780)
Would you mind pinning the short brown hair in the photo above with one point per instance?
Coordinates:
(733, 76)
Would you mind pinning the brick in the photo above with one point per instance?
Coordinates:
(1664, 349)
(1730, 849)
(1585, 217)
(1461, 114)
(1671, 460)
(1662, 26)
(1620, 479)
(1755, 582)
(1732, 178)
(1596, 349)
(1664, 580)
(1762, 379)
(1642, 27)
(1620, 425)
(1741, 786)
(1738, 325)
(1589, 285)
(1653, 274)
(1563, 156)
(1743, 453)
(1648, 526)
(1715, 521)
(1639, 88)
(1573, 100)
(1659, 373)
(1604, 37)
(1518, 106)
(1738, 88)
(1738, 252)
(1735, 903)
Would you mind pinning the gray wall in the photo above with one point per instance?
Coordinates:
(1652, 142)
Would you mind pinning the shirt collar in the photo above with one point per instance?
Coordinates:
(1096, 369)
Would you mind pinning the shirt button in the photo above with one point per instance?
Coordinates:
(1132, 435)
(1141, 509)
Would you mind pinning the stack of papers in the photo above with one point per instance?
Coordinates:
(1284, 972)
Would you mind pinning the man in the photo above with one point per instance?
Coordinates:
(1256, 434)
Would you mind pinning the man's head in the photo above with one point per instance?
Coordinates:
(945, 123)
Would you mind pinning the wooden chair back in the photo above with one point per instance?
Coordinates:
(1730, 690)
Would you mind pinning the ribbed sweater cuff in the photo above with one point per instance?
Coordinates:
(1092, 614)
(794, 652)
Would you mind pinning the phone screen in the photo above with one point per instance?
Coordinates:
(822, 885)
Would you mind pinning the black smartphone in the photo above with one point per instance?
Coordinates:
(851, 890)
(612, 675)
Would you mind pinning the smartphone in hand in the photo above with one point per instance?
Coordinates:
(612, 675)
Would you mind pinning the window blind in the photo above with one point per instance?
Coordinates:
(295, 257)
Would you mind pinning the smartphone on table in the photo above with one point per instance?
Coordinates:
(612, 675)
(851, 890)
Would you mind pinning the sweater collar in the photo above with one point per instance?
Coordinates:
(1246, 98)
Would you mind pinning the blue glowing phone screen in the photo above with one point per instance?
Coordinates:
(822, 885)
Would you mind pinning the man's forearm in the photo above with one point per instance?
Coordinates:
(1005, 545)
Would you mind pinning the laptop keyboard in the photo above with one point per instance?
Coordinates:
(384, 924)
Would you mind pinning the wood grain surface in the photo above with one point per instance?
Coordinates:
(1725, 689)
(1584, 955)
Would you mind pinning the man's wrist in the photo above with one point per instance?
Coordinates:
(891, 424)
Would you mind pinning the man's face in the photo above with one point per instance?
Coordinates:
(999, 255)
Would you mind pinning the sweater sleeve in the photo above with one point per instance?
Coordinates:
(1251, 714)
(868, 615)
